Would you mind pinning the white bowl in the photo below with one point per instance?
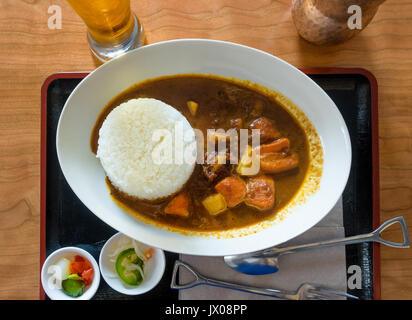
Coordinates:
(57, 294)
(85, 175)
(153, 269)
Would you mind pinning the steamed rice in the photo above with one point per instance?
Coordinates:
(128, 148)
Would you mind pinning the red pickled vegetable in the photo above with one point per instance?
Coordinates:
(83, 268)
(87, 276)
(148, 254)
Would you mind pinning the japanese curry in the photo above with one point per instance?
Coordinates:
(220, 196)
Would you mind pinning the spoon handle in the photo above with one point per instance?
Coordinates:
(368, 237)
(276, 293)
(200, 279)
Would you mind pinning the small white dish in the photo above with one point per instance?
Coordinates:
(153, 269)
(52, 291)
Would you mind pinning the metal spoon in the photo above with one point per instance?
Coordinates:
(266, 261)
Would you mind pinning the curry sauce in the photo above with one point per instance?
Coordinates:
(222, 104)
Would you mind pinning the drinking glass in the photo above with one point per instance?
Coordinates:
(112, 27)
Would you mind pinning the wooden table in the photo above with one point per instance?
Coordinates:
(30, 51)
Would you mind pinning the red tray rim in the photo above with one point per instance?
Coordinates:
(307, 70)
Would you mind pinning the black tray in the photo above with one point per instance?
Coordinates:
(353, 91)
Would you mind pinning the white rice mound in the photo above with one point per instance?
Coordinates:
(128, 149)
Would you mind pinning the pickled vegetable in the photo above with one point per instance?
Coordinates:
(73, 287)
(129, 267)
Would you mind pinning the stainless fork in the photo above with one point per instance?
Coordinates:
(305, 291)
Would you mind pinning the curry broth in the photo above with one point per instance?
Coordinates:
(220, 100)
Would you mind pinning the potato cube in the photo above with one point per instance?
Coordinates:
(249, 163)
(215, 204)
(192, 107)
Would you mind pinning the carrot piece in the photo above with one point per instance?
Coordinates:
(179, 205)
(268, 131)
(148, 254)
(275, 146)
(233, 190)
(277, 162)
(260, 192)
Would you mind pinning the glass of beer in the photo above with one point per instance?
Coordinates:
(112, 27)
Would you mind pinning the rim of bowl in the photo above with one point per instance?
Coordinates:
(132, 291)
(339, 118)
(90, 292)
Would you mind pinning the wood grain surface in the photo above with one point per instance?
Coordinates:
(30, 51)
